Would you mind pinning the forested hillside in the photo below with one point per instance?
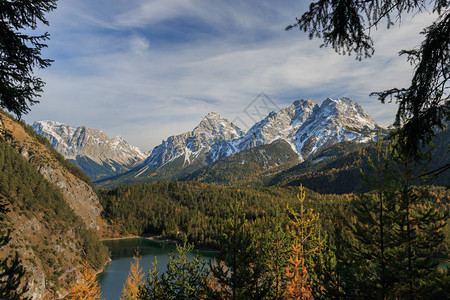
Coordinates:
(50, 213)
(196, 209)
(260, 228)
(338, 168)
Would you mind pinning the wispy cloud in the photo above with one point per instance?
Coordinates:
(149, 69)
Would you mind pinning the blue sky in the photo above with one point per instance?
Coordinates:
(146, 70)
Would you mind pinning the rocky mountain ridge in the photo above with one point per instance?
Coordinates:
(305, 125)
(90, 149)
(213, 129)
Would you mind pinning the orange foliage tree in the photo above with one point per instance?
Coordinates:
(134, 280)
(307, 243)
(87, 288)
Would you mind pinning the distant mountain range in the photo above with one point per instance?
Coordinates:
(90, 149)
(279, 141)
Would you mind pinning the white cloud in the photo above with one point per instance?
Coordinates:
(150, 12)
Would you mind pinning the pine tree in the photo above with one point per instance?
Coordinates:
(396, 228)
(20, 53)
(273, 246)
(243, 272)
(373, 228)
(154, 289)
(418, 227)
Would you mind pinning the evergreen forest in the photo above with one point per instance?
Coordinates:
(352, 221)
(391, 241)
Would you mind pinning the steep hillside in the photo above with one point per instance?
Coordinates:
(90, 149)
(337, 169)
(54, 215)
(251, 167)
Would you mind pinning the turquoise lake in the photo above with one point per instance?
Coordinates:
(122, 251)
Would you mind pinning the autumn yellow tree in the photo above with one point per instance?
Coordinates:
(307, 243)
(134, 280)
(87, 287)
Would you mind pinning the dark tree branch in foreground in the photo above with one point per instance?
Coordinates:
(21, 53)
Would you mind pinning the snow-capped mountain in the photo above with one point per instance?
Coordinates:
(333, 122)
(304, 125)
(307, 127)
(277, 125)
(212, 130)
(90, 149)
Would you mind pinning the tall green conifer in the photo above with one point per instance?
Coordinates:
(184, 278)
(395, 228)
(243, 270)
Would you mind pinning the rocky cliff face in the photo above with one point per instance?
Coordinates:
(333, 122)
(50, 249)
(90, 149)
(78, 194)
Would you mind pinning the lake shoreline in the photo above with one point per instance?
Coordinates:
(158, 239)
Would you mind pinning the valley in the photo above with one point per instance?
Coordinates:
(188, 187)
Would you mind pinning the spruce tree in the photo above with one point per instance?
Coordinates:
(184, 278)
(20, 52)
(238, 269)
(273, 246)
(418, 226)
(395, 229)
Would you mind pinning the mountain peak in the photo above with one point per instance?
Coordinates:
(213, 115)
(347, 108)
(303, 102)
(339, 102)
(214, 124)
